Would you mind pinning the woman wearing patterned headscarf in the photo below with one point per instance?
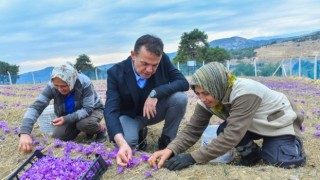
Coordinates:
(250, 111)
(76, 105)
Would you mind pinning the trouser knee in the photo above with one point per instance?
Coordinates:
(66, 135)
(286, 152)
(132, 141)
(179, 99)
(90, 124)
(89, 127)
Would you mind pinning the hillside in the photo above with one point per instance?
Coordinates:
(307, 45)
(241, 43)
(289, 49)
(273, 49)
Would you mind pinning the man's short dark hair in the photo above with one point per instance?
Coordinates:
(152, 43)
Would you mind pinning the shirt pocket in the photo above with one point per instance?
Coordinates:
(275, 115)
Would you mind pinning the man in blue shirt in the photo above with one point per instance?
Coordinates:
(143, 90)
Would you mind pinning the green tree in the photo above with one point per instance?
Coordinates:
(12, 69)
(190, 46)
(215, 54)
(84, 63)
(242, 53)
(243, 69)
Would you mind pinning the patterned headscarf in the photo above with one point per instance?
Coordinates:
(65, 72)
(215, 79)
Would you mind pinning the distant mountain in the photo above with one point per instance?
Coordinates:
(44, 75)
(241, 43)
(172, 55)
(235, 42)
(105, 66)
(296, 34)
(39, 76)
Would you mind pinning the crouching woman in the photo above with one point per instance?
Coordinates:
(250, 111)
(76, 105)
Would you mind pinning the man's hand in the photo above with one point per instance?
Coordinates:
(25, 143)
(58, 121)
(179, 162)
(159, 157)
(125, 152)
(149, 108)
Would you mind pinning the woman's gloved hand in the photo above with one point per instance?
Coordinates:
(179, 162)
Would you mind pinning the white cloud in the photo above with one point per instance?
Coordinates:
(46, 32)
(97, 60)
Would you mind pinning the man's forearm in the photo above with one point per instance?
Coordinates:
(119, 139)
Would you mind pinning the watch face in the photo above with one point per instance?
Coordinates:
(152, 94)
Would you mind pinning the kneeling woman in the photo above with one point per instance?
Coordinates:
(250, 111)
(76, 104)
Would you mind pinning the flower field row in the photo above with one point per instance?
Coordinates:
(14, 100)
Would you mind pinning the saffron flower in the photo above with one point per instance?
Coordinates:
(88, 150)
(145, 157)
(16, 130)
(155, 168)
(109, 163)
(36, 142)
(133, 162)
(119, 170)
(40, 148)
(148, 174)
(57, 143)
(49, 167)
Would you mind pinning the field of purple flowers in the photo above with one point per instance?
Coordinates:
(14, 101)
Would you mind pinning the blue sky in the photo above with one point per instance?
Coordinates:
(35, 34)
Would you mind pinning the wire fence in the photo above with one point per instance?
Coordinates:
(306, 67)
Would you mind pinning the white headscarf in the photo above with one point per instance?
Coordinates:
(65, 72)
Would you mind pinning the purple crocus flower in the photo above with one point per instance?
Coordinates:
(155, 168)
(145, 157)
(133, 162)
(57, 143)
(16, 130)
(88, 150)
(50, 151)
(36, 142)
(317, 133)
(148, 174)
(134, 151)
(70, 145)
(100, 150)
(6, 130)
(49, 167)
(40, 148)
(120, 170)
(109, 163)
(79, 148)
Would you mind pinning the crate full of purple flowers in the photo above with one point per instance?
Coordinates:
(40, 166)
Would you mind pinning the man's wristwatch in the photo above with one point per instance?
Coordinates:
(153, 94)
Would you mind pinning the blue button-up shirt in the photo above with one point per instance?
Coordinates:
(140, 81)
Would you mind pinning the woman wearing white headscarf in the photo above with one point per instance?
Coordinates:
(76, 104)
(250, 111)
